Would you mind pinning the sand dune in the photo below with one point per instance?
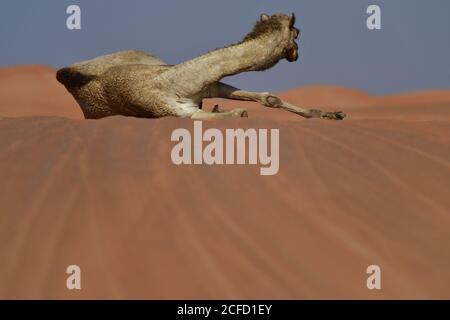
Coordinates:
(104, 194)
(33, 90)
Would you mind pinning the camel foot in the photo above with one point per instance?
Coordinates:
(333, 115)
(239, 112)
(327, 115)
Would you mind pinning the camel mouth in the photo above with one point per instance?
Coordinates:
(292, 53)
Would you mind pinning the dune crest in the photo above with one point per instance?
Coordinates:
(32, 90)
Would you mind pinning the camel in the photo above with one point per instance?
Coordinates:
(136, 83)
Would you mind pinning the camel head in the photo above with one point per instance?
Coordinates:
(282, 26)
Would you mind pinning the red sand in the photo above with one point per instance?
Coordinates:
(33, 91)
(103, 194)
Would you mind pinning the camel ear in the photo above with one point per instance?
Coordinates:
(264, 17)
(292, 22)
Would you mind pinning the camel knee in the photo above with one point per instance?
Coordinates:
(271, 101)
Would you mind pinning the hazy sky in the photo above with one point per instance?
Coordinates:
(410, 52)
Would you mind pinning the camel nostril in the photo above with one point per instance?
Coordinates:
(296, 32)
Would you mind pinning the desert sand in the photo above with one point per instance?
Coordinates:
(104, 195)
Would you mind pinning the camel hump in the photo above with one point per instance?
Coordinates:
(73, 78)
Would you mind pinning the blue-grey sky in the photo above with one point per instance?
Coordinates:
(410, 52)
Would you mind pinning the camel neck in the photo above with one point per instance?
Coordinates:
(252, 55)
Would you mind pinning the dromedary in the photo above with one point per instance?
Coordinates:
(135, 83)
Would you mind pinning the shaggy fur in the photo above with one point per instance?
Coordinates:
(264, 27)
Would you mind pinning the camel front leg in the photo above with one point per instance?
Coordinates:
(222, 90)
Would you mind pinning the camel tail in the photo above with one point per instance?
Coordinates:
(71, 78)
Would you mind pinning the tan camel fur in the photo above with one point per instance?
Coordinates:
(135, 83)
